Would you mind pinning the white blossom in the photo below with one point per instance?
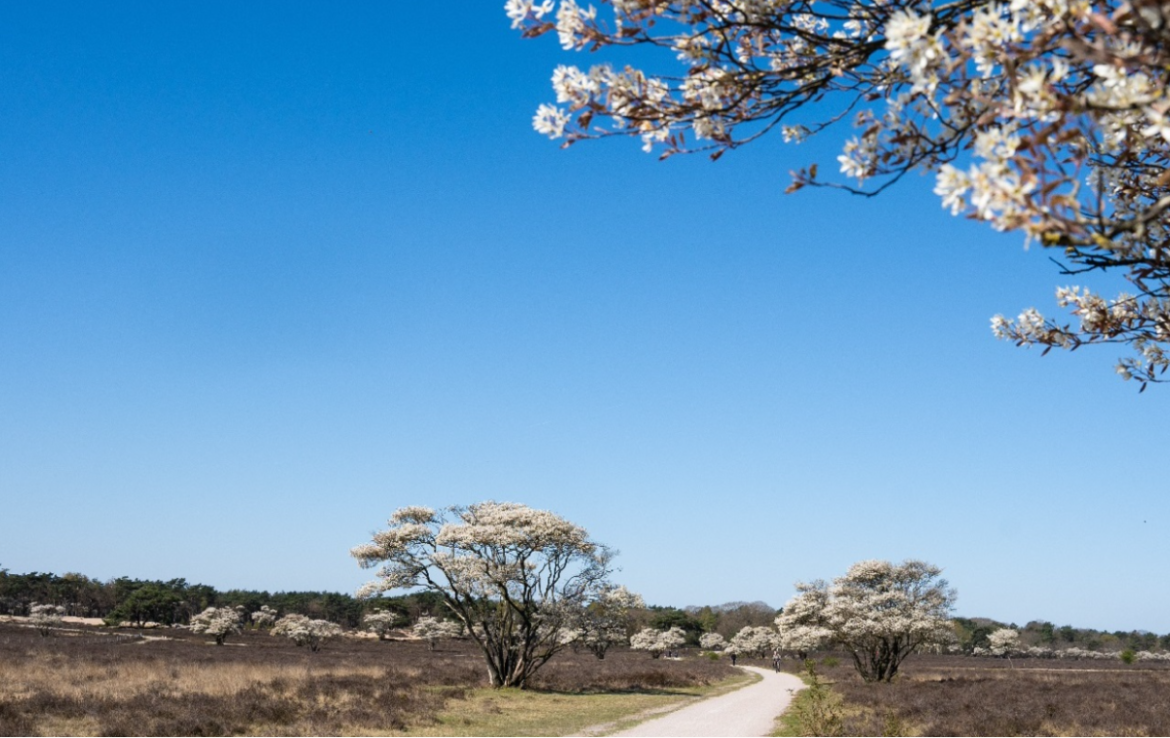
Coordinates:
(305, 631)
(218, 622)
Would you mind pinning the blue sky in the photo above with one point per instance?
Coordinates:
(269, 272)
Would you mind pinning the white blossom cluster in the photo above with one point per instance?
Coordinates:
(305, 631)
(603, 622)
(218, 622)
(45, 617)
(1002, 643)
(1048, 117)
(712, 642)
(878, 612)
(657, 642)
(755, 640)
(264, 617)
(432, 629)
(382, 622)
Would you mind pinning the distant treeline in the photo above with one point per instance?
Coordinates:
(973, 633)
(141, 601)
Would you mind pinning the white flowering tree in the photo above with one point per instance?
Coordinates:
(45, 618)
(432, 630)
(511, 574)
(755, 640)
(265, 617)
(798, 624)
(657, 642)
(305, 631)
(1003, 642)
(1048, 117)
(382, 622)
(878, 612)
(712, 642)
(217, 622)
(604, 621)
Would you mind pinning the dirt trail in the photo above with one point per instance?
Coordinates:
(748, 711)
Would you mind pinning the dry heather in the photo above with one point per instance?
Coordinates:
(87, 681)
(951, 695)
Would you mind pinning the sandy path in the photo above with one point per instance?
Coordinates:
(749, 711)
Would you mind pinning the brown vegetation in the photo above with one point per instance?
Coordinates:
(956, 695)
(90, 681)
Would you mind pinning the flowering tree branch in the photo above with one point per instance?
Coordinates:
(1048, 117)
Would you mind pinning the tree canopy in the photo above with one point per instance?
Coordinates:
(1047, 117)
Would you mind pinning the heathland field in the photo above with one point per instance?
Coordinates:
(86, 680)
(961, 695)
(89, 680)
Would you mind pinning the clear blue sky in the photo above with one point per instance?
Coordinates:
(270, 271)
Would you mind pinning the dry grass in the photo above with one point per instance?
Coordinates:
(87, 681)
(964, 696)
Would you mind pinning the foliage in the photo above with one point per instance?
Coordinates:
(665, 618)
(878, 612)
(306, 631)
(1048, 117)
(218, 622)
(509, 573)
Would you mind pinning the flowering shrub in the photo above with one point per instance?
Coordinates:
(431, 629)
(305, 631)
(878, 612)
(1048, 117)
(658, 642)
(511, 574)
(755, 640)
(45, 617)
(381, 622)
(604, 621)
(712, 642)
(218, 622)
(264, 617)
(1004, 642)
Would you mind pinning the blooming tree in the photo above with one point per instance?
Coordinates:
(754, 640)
(605, 621)
(712, 642)
(1003, 642)
(1047, 117)
(658, 642)
(511, 574)
(218, 622)
(878, 612)
(432, 629)
(798, 623)
(45, 617)
(264, 617)
(305, 631)
(381, 622)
